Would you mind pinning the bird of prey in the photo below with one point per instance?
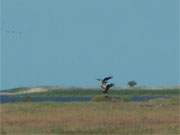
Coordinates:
(105, 85)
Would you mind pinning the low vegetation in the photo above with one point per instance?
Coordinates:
(104, 115)
(155, 117)
(107, 98)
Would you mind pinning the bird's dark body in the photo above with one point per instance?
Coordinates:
(108, 87)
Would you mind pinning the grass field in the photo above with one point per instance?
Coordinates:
(155, 117)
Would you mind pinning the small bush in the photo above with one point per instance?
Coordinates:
(125, 98)
(166, 101)
(100, 98)
(174, 101)
(27, 99)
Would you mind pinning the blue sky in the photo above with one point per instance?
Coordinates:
(73, 42)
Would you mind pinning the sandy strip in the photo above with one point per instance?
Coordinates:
(32, 90)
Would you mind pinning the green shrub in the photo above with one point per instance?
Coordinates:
(124, 98)
(174, 101)
(27, 99)
(100, 98)
(166, 101)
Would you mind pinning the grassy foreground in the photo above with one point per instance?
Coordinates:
(155, 117)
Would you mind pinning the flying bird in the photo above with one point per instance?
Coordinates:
(105, 85)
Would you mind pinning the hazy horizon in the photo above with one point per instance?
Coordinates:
(72, 43)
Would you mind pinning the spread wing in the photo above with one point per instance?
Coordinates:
(107, 78)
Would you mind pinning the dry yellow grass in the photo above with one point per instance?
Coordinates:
(102, 118)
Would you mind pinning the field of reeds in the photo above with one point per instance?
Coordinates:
(153, 117)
